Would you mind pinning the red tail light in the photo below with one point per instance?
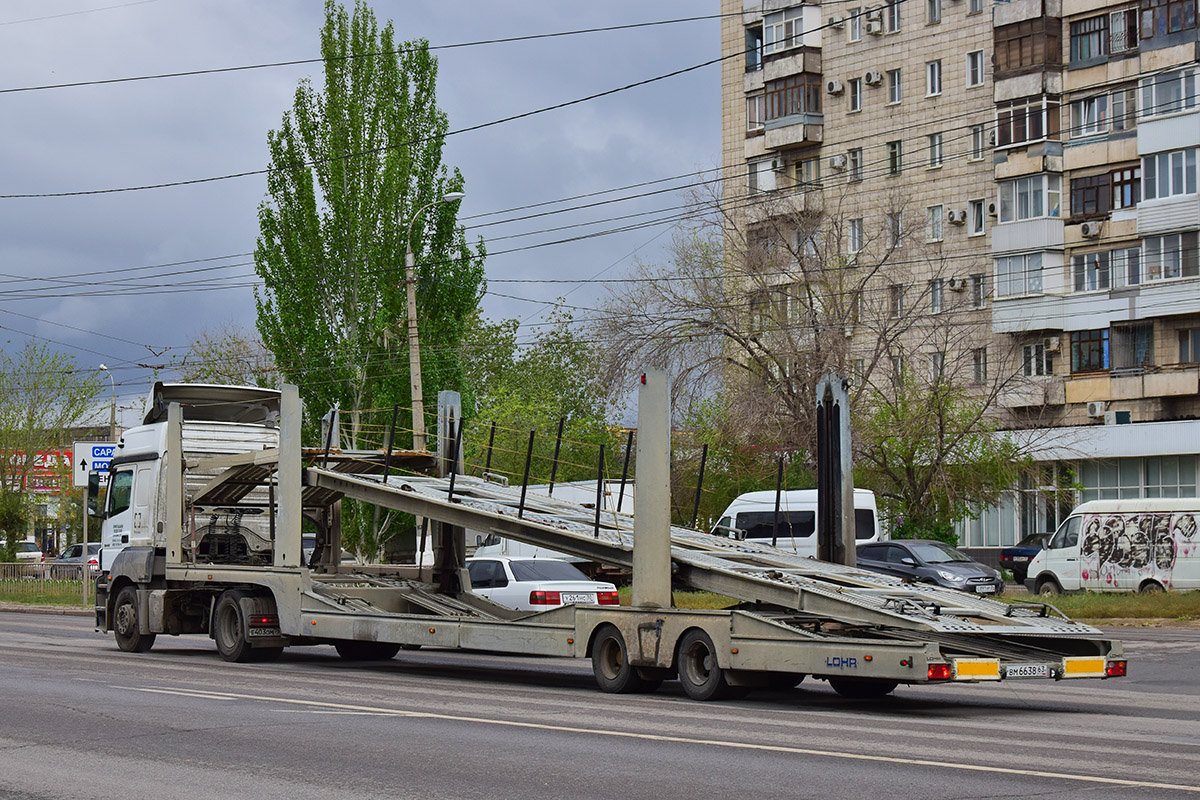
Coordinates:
(1115, 669)
(538, 598)
(939, 672)
(608, 598)
(264, 620)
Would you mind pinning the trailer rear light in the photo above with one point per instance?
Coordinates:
(1115, 669)
(264, 619)
(939, 672)
(539, 598)
(608, 599)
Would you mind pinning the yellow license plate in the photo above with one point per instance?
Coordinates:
(977, 669)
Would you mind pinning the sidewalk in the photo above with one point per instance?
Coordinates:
(63, 611)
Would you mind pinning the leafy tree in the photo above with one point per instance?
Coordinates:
(230, 355)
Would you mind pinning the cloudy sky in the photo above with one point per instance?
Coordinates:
(89, 273)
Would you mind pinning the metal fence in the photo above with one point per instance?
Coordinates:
(26, 581)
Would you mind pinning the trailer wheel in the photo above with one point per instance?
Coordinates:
(610, 664)
(702, 679)
(366, 651)
(862, 688)
(229, 629)
(126, 626)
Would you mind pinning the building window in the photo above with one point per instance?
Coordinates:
(762, 176)
(1123, 103)
(1036, 361)
(1030, 119)
(1133, 346)
(978, 145)
(1170, 256)
(1023, 46)
(783, 30)
(975, 7)
(975, 68)
(808, 172)
(934, 223)
(856, 306)
(1169, 174)
(1160, 17)
(1126, 187)
(854, 24)
(1169, 93)
(894, 90)
(893, 16)
(895, 300)
(935, 296)
(934, 146)
(937, 365)
(977, 217)
(895, 230)
(856, 86)
(799, 94)
(933, 78)
(1108, 269)
(897, 369)
(895, 157)
(754, 112)
(1123, 30)
(754, 41)
(1019, 275)
(1170, 476)
(1031, 197)
(1115, 111)
(1189, 346)
(933, 11)
(978, 290)
(1091, 196)
(856, 237)
(979, 364)
(854, 158)
(1089, 350)
(1089, 38)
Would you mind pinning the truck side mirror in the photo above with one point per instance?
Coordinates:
(93, 492)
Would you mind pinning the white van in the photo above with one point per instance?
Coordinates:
(1122, 546)
(751, 517)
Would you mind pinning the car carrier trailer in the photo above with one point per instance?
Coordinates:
(217, 551)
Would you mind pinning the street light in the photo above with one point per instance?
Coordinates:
(112, 409)
(414, 351)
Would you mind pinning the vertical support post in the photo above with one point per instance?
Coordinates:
(449, 541)
(652, 501)
(778, 498)
(174, 477)
(85, 570)
(525, 480)
(391, 440)
(835, 474)
(699, 484)
(625, 470)
(487, 466)
(331, 432)
(599, 495)
(288, 552)
(455, 449)
(557, 450)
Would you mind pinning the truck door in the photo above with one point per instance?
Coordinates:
(141, 532)
(118, 515)
(1062, 554)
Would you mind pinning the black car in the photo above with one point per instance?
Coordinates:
(930, 561)
(1016, 559)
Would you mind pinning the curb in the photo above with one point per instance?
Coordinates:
(61, 611)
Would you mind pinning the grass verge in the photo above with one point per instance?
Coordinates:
(1181, 606)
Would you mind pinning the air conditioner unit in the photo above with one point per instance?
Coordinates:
(956, 216)
(1095, 408)
(838, 162)
(778, 165)
(834, 86)
(993, 209)
(836, 22)
(1116, 418)
(874, 15)
(873, 77)
(991, 137)
(1052, 344)
(957, 284)
(874, 27)
(1089, 230)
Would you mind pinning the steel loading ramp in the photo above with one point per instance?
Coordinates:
(809, 590)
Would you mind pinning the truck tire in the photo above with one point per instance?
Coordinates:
(126, 623)
(862, 688)
(699, 674)
(1048, 587)
(610, 664)
(366, 651)
(1151, 587)
(229, 629)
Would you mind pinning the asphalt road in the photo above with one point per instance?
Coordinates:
(79, 719)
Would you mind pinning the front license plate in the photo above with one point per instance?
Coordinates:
(1028, 671)
(578, 598)
(985, 589)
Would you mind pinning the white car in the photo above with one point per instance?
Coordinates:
(536, 584)
(29, 551)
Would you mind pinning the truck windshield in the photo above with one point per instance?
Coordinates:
(545, 570)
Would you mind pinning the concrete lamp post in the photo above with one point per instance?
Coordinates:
(112, 408)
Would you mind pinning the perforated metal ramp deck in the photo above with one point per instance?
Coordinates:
(806, 588)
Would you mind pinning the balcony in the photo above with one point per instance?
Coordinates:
(1081, 311)
(1107, 387)
(785, 202)
(1033, 393)
(794, 130)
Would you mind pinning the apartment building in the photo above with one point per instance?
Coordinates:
(1022, 173)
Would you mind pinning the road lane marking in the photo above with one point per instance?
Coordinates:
(654, 737)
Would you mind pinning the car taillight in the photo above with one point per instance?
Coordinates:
(608, 599)
(265, 619)
(939, 672)
(539, 598)
(1115, 669)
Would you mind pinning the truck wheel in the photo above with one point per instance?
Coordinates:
(702, 679)
(1048, 587)
(366, 651)
(610, 664)
(126, 624)
(862, 688)
(229, 629)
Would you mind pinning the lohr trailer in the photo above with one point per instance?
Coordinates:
(202, 535)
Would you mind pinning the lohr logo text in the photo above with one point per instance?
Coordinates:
(838, 662)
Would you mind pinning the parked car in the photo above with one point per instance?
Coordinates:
(930, 561)
(29, 551)
(1016, 559)
(536, 584)
(70, 563)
